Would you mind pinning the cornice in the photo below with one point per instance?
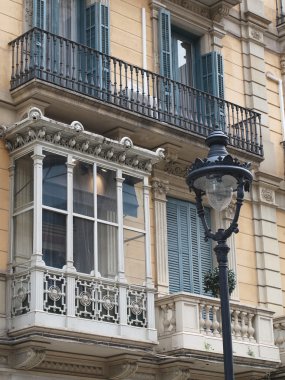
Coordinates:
(36, 127)
(28, 358)
(258, 20)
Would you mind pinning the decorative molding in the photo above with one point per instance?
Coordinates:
(282, 64)
(144, 376)
(36, 127)
(53, 365)
(160, 188)
(176, 168)
(267, 195)
(195, 8)
(219, 11)
(123, 370)
(28, 358)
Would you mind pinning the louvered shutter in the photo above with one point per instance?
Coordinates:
(213, 83)
(189, 256)
(39, 14)
(165, 43)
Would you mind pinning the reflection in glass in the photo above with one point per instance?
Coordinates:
(106, 195)
(23, 235)
(54, 239)
(83, 245)
(107, 250)
(54, 181)
(134, 250)
(24, 182)
(83, 202)
(133, 204)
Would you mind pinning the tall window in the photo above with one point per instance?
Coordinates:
(189, 256)
(23, 208)
(83, 213)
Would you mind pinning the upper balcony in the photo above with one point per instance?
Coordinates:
(44, 60)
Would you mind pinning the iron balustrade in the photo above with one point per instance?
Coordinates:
(38, 54)
(280, 12)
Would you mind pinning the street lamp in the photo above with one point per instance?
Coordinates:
(217, 177)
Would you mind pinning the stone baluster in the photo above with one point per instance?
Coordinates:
(215, 322)
(165, 320)
(237, 326)
(173, 317)
(251, 329)
(202, 320)
(208, 322)
(279, 337)
(244, 326)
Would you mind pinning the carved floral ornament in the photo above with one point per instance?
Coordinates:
(267, 195)
(37, 127)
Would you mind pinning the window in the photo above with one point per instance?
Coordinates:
(181, 61)
(90, 213)
(189, 256)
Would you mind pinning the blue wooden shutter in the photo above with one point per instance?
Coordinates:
(213, 83)
(213, 74)
(165, 43)
(39, 14)
(189, 256)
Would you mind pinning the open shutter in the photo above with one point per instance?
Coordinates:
(213, 83)
(165, 43)
(39, 14)
(189, 256)
(165, 58)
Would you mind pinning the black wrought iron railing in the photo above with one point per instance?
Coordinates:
(280, 12)
(38, 54)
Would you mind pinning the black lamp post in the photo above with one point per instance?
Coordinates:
(218, 176)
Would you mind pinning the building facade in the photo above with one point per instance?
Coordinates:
(104, 105)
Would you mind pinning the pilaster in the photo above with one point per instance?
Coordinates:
(160, 189)
(267, 248)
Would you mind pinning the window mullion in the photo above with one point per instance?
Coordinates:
(38, 196)
(69, 236)
(147, 234)
(96, 263)
(121, 257)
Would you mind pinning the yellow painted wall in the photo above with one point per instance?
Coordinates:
(11, 26)
(233, 70)
(126, 31)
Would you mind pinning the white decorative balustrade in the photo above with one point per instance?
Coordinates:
(279, 335)
(48, 298)
(188, 321)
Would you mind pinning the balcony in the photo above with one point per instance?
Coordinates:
(190, 324)
(42, 57)
(60, 302)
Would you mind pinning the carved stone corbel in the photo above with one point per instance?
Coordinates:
(28, 358)
(219, 11)
(122, 370)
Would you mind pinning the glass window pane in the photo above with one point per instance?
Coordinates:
(106, 195)
(83, 202)
(133, 204)
(54, 239)
(134, 250)
(54, 181)
(24, 181)
(107, 250)
(23, 236)
(83, 245)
